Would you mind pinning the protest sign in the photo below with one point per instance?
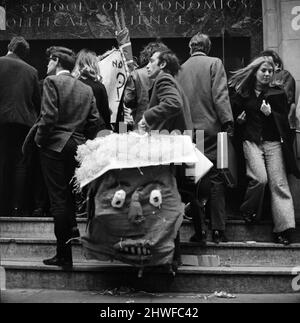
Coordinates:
(114, 74)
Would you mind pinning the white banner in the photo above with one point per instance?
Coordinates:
(114, 74)
(2, 18)
(131, 150)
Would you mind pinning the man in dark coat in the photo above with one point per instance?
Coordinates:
(19, 108)
(168, 107)
(204, 82)
(136, 92)
(69, 117)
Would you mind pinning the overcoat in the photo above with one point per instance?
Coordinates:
(68, 110)
(168, 107)
(204, 82)
(20, 98)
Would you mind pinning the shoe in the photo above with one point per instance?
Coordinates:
(38, 213)
(219, 236)
(16, 213)
(199, 239)
(81, 214)
(281, 239)
(187, 213)
(61, 262)
(250, 218)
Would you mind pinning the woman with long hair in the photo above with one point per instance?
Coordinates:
(260, 109)
(87, 70)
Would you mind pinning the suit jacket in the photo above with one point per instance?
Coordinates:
(20, 98)
(204, 82)
(68, 110)
(136, 93)
(168, 108)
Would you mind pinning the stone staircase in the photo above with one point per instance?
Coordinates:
(248, 264)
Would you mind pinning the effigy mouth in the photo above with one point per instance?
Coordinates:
(134, 247)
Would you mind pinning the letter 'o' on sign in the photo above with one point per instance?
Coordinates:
(2, 18)
(296, 20)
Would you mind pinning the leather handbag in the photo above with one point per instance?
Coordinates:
(226, 159)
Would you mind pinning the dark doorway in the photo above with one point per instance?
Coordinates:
(234, 50)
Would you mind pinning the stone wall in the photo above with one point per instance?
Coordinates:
(88, 19)
(282, 33)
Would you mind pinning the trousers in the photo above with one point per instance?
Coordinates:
(265, 165)
(58, 169)
(13, 168)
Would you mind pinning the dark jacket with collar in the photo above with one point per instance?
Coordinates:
(278, 101)
(136, 93)
(101, 97)
(204, 82)
(68, 110)
(168, 108)
(20, 98)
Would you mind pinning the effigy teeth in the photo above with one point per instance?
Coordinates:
(140, 251)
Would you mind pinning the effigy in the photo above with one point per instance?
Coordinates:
(134, 207)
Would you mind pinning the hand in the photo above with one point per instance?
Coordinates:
(266, 109)
(142, 126)
(128, 119)
(242, 118)
(229, 128)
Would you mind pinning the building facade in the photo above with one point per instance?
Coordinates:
(240, 29)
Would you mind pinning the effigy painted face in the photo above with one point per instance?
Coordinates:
(265, 74)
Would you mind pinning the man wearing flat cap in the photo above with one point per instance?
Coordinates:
(69, 117)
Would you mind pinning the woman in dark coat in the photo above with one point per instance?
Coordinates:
(261, 113)
(87, 70)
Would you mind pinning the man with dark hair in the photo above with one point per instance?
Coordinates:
(69, 116)
(136, 93)
(168, 107)
(204, 82)
(19, 108)
(19, 46)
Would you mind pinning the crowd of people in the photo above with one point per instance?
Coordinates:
(43, 122)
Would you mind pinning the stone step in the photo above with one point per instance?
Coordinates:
(262, 254)
(92, 276)
(236, 230)
(125, 296)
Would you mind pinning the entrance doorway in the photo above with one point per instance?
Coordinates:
(235, 51)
